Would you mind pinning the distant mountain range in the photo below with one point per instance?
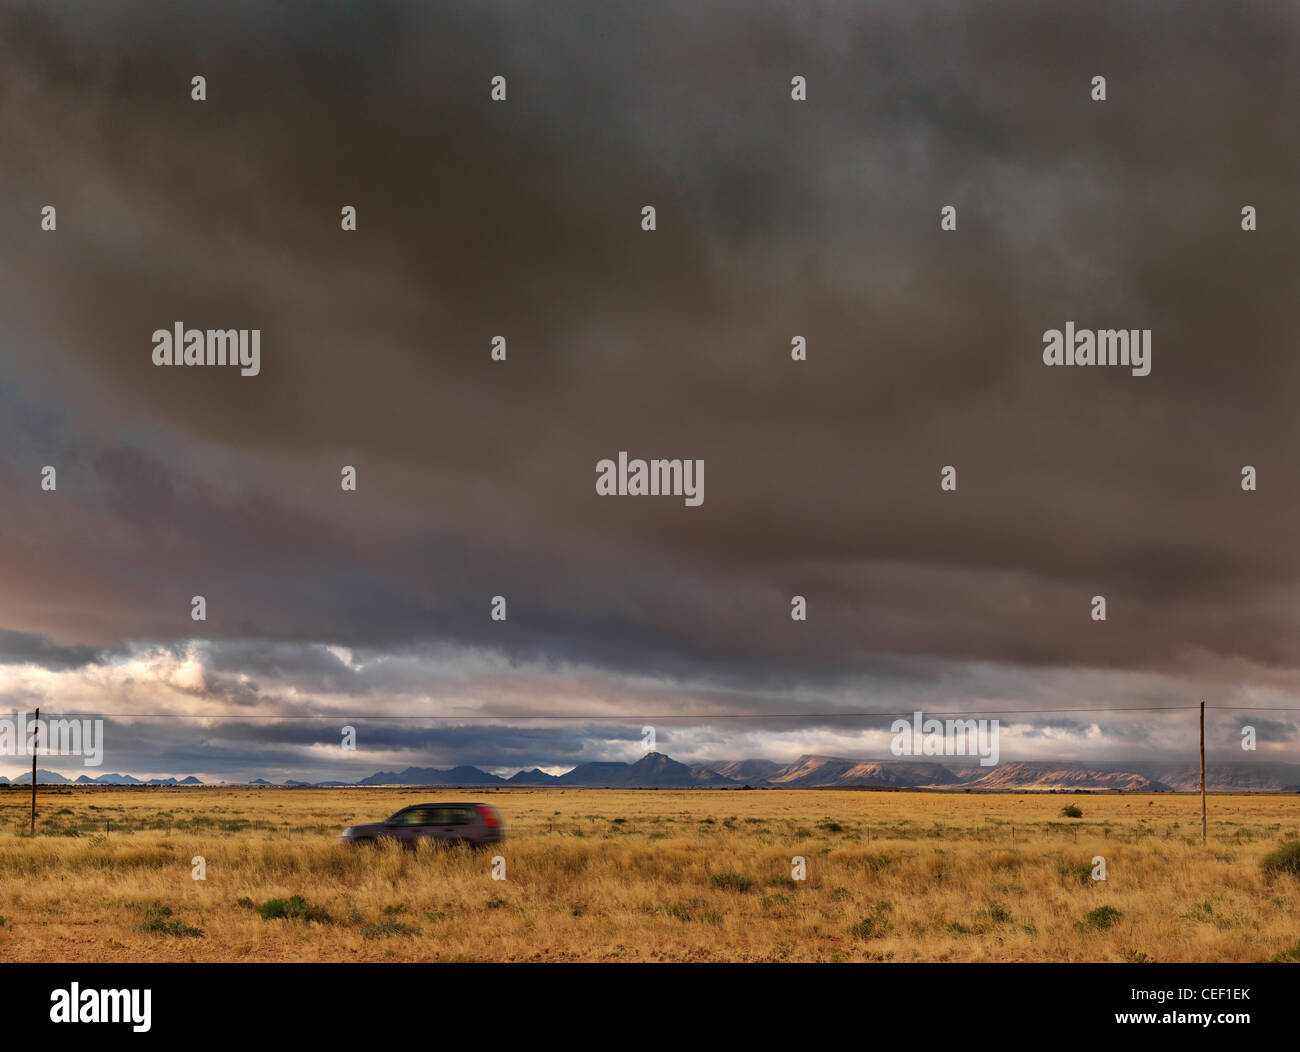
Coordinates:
(657, 771)
(44, 777)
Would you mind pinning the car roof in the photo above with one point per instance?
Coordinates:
(444, 803)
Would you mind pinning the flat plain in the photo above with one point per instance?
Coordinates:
(648, 875)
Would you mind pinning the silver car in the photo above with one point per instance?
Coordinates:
(474, 824)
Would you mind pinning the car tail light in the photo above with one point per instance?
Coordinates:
(489, 817)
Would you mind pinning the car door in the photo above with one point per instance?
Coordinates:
(441, 824)
(407, 826)
(426, 825)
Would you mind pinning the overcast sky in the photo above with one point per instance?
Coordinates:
(476, 478)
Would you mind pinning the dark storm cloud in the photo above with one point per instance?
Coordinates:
(776, 219)
(20, 648)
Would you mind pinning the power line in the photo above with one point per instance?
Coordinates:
(664, 716)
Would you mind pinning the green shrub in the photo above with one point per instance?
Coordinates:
(1289, 956)
(1078, 873)
(1102, 918)
(293, 908)
(995, 914)
(156, 922)
(730, 881)
(387, 927)
(1284, 859)
(873, 925)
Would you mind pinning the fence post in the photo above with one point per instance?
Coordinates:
(1203, 824)
(36, 733)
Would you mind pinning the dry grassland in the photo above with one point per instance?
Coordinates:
(618, 875)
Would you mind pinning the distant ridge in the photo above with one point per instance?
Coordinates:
(744, 770)
(811, 771)
(532, 777)
(659, 771)
(462, 775)
(44, 777)
(1066, 776)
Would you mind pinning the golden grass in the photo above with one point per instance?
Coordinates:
(684, 876)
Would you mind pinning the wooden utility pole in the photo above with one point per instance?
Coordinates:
(36, 732)
(1202, 773)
